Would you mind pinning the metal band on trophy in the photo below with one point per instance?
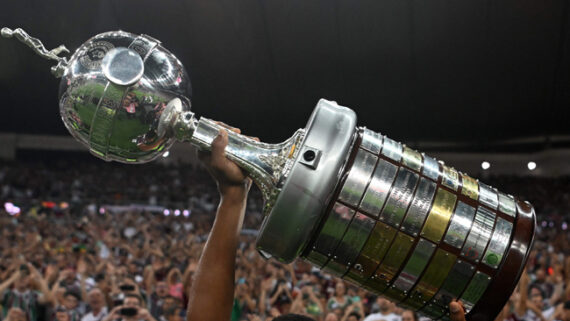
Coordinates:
(351, 201)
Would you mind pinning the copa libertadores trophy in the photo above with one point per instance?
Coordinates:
(349, 200)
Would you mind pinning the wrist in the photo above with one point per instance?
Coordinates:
(234, 193)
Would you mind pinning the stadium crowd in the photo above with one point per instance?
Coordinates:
(70, 253)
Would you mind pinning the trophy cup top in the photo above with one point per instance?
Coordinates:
(115, 92)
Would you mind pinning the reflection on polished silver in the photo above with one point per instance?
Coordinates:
(392, 149)
(400, 197)
(371, 141)
(38, 47)
(507, 204)
(479, 235)
(378, 189)
(450, 178)
(265, 163)
(353, 239)
(123, 66)
(335, 226)
(419, 207)
(498, 245)
(415, 266)
(358, 178)
(488, 196)
(431, 168)
(460, 225)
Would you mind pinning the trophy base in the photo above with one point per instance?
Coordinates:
(308, 188)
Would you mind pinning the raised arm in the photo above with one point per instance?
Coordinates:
(521, 305)
(6, 284)
(211, 293)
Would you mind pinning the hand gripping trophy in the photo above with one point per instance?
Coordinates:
(349, 200)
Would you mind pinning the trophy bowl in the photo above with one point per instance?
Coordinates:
(114, 91)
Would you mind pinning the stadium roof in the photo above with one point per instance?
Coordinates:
(471, 72)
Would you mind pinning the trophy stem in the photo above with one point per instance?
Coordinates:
(266, 164)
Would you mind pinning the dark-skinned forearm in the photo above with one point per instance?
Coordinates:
(211, 294)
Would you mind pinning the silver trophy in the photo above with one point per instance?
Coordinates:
(354, 203)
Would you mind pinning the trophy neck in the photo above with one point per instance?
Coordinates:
(266, 164)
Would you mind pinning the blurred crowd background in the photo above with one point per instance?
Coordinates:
(93, 241)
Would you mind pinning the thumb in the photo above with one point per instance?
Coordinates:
(457, 312)
(218, 148)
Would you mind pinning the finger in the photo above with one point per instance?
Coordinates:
(218, 149)
(220, 123)
(457, 311)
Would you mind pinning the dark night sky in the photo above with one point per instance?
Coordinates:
(473, 71)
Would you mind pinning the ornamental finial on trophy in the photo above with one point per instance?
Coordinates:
(352, 202)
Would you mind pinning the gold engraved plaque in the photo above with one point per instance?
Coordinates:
(450, 178)
(436, 272)
(373, 252)
(439, 215)
(470, 187)
(412, 159)
(395, 257)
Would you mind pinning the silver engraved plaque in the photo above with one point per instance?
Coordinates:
(371, 141)
(475, 290)
(450, 178)
(488, 196)
(431, 168)
(354, 239)
(499, 243)
(507, 204)
(415, 266)
(358, 178)
(412, 159)
(454, 284)
(377, 191)
(392, 149)
(460, 225)
(333, 229)
(420, 206)
(479, 235)
(400, 197)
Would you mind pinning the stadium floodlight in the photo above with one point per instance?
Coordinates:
(531, 166)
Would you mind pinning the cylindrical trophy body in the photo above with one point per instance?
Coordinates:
(420, 233)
